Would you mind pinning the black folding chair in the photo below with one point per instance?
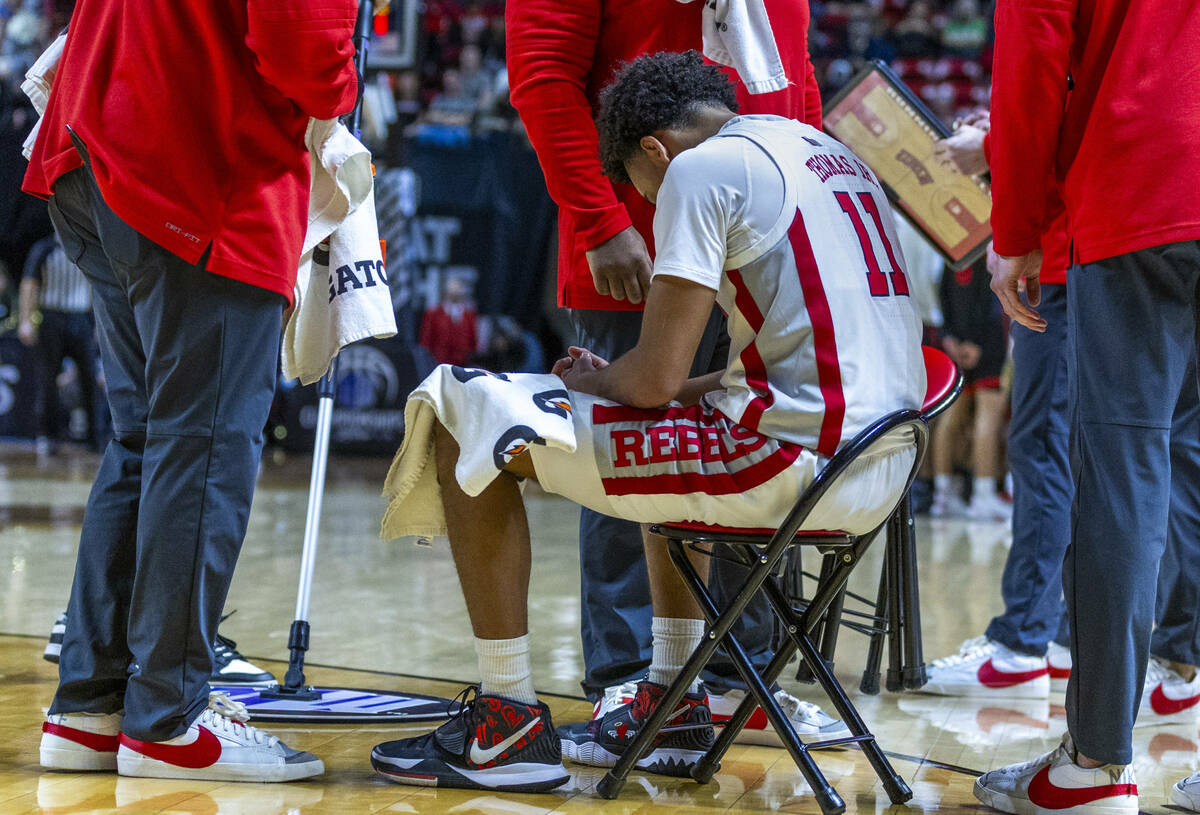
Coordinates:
(894, 615)
(761, 551)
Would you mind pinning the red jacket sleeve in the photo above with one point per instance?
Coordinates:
(303, 49)
(1029, 92)
(812, 95)
(550, 47)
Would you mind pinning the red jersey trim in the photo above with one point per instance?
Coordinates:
(752, 362)
(829, 372)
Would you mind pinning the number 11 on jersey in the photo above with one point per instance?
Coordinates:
(876, 280)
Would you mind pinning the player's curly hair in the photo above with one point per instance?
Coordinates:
(655, 92)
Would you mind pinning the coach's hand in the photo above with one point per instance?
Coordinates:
(1007, 274)
(964, 150)
(621, 266)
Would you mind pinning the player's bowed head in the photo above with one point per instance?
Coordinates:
(655, 108)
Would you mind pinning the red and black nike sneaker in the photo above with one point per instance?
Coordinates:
(687, 735)
(491, 744)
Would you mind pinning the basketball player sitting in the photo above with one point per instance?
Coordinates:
(792, 236)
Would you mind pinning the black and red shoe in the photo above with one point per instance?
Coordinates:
(492, 744)
(687, 735)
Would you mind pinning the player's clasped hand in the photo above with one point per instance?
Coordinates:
(621, 266)
(1007, 274)
(574, 367)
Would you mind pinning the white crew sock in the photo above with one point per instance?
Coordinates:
(983, 488)
(943, 483)
(505, 670)
(674, 638)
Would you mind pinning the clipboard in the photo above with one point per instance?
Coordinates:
(880, 118)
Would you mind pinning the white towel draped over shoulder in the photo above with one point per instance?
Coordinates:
(738, 33)
(493, 417)
(341, 293)
(36, 86)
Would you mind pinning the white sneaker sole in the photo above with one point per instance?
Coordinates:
(1023, 806)
(1058, 685)
(1035, 689)
(135, 765)
(57, 753)
(661, 760)
(518, 777)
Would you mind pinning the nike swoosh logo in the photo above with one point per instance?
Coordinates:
(201, 753)
(1164, 705)
(489, 755)
(1059, 673)
(93, 741)
(990, 677)
(1044, 793)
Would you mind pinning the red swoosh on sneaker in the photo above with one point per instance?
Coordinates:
(758, 720)
(94, 741)
(203, 752)
(1163, 705)
(1044, 793)
(1059, 673)
(990, 677)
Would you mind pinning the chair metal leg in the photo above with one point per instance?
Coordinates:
(759, 692)
(720, 624)
(870, 677)
(830, 623)
(898, 792)
(913, 674)
(895, 611)
(711, 762)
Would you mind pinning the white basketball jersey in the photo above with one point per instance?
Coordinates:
(824, 335)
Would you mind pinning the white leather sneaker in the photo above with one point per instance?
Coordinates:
(984, 668)
(1054, 784)
(217, 746)
(811, 723)
(81, 742)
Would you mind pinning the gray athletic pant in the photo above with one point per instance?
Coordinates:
(1133, 336)
(616, 614)
(189, 358)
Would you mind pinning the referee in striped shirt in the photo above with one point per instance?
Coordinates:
(54, 285)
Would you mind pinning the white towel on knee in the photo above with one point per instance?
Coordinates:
(493, 417)
(738, 33)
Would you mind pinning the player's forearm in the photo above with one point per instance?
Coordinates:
(632, 380)
(1029, 91)
(695, 388)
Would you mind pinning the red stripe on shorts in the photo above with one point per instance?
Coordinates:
(829, 372)
(708, 483)
(611, 414)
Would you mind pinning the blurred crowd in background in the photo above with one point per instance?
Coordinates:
(437, 86)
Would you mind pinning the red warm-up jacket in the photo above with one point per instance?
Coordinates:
(562, 52)
(193, 113)
(1122, 144)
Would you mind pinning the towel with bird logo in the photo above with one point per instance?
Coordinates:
(492, 416)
